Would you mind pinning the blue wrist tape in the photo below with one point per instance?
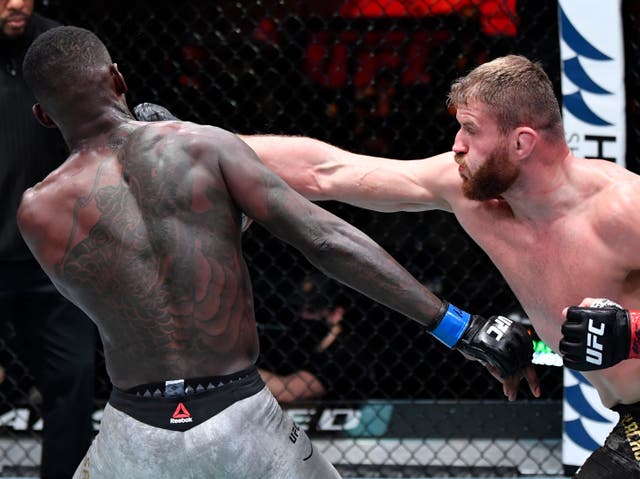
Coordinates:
(452, 326)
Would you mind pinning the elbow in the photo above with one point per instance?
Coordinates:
(333, 247)
(321, 249)
(313, 188)
(306, 183)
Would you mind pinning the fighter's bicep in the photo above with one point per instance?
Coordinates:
(257, 191)
(618, 223)
(436, 181)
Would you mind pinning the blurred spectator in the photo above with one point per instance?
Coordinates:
(52, 337)
(294, 364)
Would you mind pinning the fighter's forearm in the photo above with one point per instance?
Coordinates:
(353, 258)
(320, 171)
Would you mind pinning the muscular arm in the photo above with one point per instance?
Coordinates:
(321, 171)
(348, 255)
(329, 243)
(599, 333)
(619, 226)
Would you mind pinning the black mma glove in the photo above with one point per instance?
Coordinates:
(152, 112)
(498, 341)
(600, 336)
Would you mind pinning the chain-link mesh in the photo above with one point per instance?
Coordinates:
(386, 398)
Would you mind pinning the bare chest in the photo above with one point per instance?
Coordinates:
(552, 268)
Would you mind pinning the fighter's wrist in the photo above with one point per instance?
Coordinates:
(634, 333)
(450, 324)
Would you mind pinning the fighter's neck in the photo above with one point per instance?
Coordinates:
(545, 191)
(95, 130)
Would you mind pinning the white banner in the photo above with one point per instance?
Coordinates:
(593, 93)
(593, 98)
(586, 422)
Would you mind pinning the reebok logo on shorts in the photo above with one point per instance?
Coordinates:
(180, 415)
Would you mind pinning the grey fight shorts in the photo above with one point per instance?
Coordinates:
(246, 435)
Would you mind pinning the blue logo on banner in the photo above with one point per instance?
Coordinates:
(576, 73)
(374, 421)
(575, 429)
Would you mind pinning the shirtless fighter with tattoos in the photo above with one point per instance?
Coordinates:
(141, 227)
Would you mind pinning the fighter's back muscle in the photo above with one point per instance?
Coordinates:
(152, 253)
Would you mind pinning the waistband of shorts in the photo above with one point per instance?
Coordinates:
(188, 386)
(631, 409)
(181, 412)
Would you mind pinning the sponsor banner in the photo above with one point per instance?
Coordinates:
(593, 98)
(384, 419)
(586, 422)
(593, 93)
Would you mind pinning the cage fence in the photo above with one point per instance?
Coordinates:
(391, 401)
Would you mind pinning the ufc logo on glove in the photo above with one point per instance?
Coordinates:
(594, 348)
(499, 327)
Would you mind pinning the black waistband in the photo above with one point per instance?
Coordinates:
(186, 387)
(631, 409)
(179, 412)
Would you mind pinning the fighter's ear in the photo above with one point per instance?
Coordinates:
(118, 79)
(42, 116)
(526, 139)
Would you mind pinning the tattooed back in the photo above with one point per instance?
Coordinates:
(140, 231)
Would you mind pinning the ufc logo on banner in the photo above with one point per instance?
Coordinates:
(594, 348)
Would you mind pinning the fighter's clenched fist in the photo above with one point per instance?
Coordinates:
(501, 344)
(599, 336)
(499, 341)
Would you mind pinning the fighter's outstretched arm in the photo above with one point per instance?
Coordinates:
(321, 171)
(348, 255)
